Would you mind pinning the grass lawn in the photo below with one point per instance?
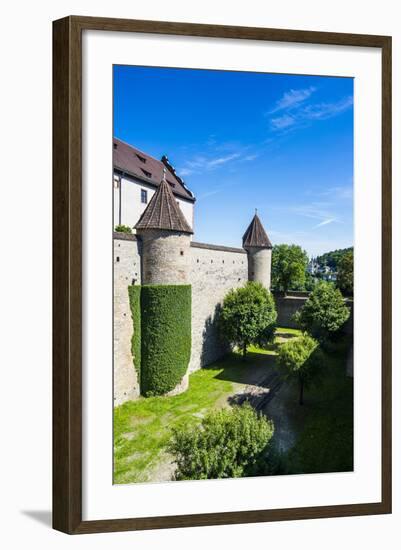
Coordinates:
(325, 423)
(142, 427)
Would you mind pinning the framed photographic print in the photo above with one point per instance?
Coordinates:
(222, 275)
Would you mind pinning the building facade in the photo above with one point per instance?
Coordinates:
(136, 178)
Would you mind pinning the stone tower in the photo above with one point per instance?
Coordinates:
(165, 236)
(259, 248)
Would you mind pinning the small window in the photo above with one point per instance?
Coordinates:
(141, 158)
(144, 196)
(171, 183)
(147, 174)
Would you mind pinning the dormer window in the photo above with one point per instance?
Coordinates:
(147, 174)
(171, 183)
(141, 158)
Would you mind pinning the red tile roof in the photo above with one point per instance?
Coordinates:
(163, 211)
(134, 162)
(255, 235)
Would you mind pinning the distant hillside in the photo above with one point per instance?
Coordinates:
(331, 259)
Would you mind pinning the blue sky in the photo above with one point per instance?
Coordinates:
(280, 143)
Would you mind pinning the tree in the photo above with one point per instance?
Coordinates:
(300, 358)
(248, 316)
(332, 259)
(123, 229)
(345, 275)
(229, 443)
(289, 264)
(324, 313)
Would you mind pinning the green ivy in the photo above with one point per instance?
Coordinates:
(166, 337)
(134, 293)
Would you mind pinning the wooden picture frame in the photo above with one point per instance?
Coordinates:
(67, 274)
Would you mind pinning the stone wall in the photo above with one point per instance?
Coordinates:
(286, 306)
(214, 271)
(166, 257)
(127, 269)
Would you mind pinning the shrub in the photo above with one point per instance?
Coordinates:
(134, 293)
(324, 313)
(248, 316)
(229, 443)
(301, 359)
(166, 336)
(123, 229)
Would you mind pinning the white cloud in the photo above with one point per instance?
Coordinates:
(221, 160)
(282, 122)
(209, 160)
(325, 222)
(186, 172)
(292, 98)
(297, 115)
(322, 111)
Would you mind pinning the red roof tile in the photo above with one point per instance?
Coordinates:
(134, 162)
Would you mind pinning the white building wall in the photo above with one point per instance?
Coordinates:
(132, 207)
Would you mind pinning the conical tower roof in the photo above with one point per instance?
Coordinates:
(163, 212)
(255, 235)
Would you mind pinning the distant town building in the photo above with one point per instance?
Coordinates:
(321, 271)
(313, 266)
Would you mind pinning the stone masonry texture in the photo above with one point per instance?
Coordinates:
(211, 270)
(127, 268)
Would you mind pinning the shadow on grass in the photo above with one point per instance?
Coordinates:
(254, 370)
(286, 335)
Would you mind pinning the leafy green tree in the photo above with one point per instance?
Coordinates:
(345, 275)
(229, 443)
(289, 264)
(310, 281)
(300, 358)
(324, 313)
(248, 316)
(333, 258)
(123, 229)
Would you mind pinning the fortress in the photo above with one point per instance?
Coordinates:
(162, 252)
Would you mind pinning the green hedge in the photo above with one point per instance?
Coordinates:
(166, 336)
(135, 304)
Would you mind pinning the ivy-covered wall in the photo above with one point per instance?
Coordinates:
(165, 337)
(134, 293)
